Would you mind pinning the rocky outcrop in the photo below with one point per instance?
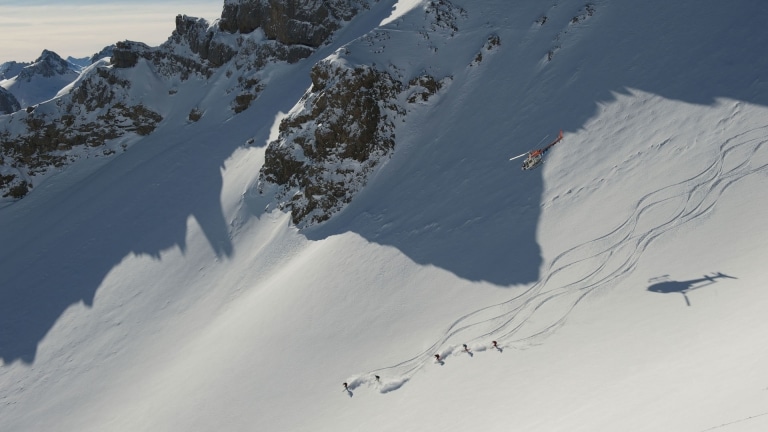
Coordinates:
(326, 151)
(126, 54)
(344, 127)
(96, 111)
(165, 59)
(198, 34)
(290, 22)
(292, 29)
(49, 64)
(8, 102)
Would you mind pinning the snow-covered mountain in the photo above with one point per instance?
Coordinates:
(41, 80)
(216, 233)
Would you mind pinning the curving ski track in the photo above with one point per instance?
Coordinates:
(614, 256)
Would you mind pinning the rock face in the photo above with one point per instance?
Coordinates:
(98, 109)
(293, 28)
(10, 69)
(290, 22)
(326, 151)
(104, 53)
(8, 102)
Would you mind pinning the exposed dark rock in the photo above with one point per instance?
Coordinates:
(45, 136)
(325, 152)
(249, 91)
(127, 54)
(104, 53)
(195, 115)
(444, 15)
(98, 90)
(8, 102)
(18, 190)
(291, 22)
(97, 109)
(199, 37)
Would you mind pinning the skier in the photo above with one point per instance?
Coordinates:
(466, 348)
(495, 345)
(437, 357)
(378, 378)
(346, 386)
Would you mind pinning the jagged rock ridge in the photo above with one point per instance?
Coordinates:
(102, 106)
(47, 65)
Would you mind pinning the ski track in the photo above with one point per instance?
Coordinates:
(615, 257)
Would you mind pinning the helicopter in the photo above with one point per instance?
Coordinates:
(536, 157)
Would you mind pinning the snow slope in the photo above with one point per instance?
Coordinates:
(151, 291)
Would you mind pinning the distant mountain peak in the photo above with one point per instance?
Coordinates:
(47, 65)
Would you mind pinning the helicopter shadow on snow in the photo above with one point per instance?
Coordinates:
(664, 285)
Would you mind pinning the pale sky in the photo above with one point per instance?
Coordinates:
(80, 28)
